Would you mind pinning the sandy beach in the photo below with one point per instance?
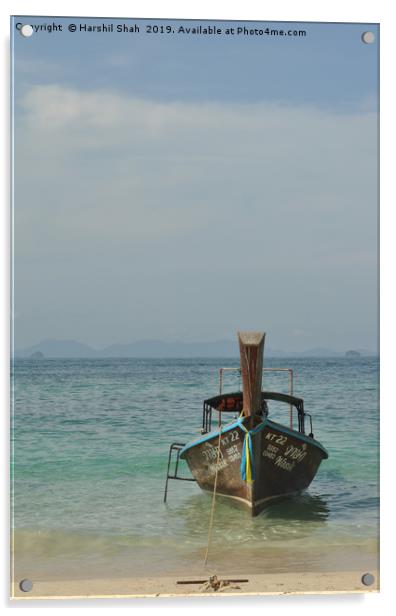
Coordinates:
(268, 584)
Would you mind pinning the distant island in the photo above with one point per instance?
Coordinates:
(51, 348)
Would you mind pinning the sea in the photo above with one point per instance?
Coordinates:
(90, 443)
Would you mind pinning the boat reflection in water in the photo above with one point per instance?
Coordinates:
(304, 507)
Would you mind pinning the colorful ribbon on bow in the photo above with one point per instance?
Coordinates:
(247, 462)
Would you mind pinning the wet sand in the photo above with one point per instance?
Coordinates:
(265, 584)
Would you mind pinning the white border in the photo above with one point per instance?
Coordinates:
(288, 10)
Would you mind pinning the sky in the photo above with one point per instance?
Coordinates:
(182, 187)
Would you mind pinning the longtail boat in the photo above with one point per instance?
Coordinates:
(251, 460)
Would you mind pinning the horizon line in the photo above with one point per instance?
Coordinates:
(86, 348)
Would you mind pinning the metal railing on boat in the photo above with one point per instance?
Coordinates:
(177, 447)
(291, 383)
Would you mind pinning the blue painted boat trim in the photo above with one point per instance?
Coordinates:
(271, 424)
(303, 437)
(210, 435)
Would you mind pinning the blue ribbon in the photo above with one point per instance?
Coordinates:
(247, 462)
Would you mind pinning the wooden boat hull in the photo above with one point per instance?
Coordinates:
(284, 462)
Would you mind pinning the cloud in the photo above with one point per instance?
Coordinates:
(120, 185)
(160, 161)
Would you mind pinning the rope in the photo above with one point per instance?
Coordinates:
(247, 448)
(213, 497)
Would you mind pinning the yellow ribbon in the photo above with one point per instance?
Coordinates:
(247, 470)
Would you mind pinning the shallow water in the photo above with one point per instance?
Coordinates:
(90, 445)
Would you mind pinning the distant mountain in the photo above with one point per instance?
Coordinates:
(161, 349)
(320, 352)
(352, 353)
(59, 348)
(158, 348)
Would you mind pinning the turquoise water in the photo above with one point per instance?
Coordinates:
(90, 447)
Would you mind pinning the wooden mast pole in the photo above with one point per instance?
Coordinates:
(251, 349)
